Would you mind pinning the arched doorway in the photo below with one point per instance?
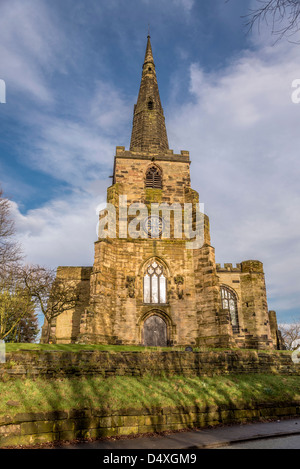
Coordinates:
(155, 332)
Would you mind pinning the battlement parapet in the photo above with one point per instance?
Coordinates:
(229, 268)
(251, 266)
(167, 155)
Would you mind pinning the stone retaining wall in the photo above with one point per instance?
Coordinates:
(45, 427)
(49, 364)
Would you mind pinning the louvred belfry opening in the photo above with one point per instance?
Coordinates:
(154, 178)
(149, 132)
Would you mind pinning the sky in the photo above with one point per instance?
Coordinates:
(72, 70)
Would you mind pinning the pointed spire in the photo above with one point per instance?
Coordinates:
(149, 54)
(149, 131)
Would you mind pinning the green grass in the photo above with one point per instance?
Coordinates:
(37, 395)
(11, 347)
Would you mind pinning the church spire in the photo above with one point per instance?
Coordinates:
(149, 131)
(149, 54)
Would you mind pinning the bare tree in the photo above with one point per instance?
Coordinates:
(10, 250)
(291, 334)
(51, 295)
(282, 15)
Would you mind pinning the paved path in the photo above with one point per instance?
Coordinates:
(283, 442)
(200, 439)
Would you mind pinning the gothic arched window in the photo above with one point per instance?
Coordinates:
(155, 284)
(154, 178)
(229, 301)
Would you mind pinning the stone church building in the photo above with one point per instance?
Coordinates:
(153, 290)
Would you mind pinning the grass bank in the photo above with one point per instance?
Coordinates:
(113, 394)
(12, 347)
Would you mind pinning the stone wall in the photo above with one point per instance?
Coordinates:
(44, 427)
(51, 426)
(53, 364)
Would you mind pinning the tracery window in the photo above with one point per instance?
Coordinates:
(155, 284)
(229, 301)
(154, 178)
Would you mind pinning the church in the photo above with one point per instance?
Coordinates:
(150, 284)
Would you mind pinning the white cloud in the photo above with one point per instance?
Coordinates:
(186, 4)
(242, 130)
(69, 151)
(63, 231)
(80, 148)
(108, 108)
(29, 45)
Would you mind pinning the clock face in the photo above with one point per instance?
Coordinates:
(153, 226)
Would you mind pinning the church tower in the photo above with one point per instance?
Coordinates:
(155, 281)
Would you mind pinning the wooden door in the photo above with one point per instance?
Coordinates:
(155, 332)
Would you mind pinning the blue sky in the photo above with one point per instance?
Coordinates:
(72, 70)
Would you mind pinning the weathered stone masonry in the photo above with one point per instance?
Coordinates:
(97, 363)
(45, 427)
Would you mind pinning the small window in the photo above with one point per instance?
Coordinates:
(150, 105)
(229, 301)
(154, 178)
(149, 69)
